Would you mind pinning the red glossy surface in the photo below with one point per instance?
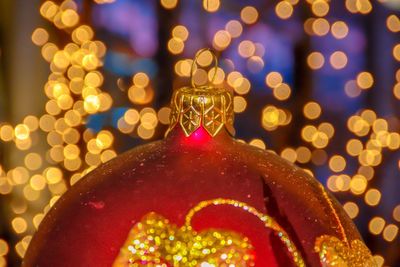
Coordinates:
(90, 223)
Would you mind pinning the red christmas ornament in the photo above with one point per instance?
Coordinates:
(197, 198)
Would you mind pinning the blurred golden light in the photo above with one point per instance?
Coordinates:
(257, 143)
(145, 133)
(92, 104)
(320, 140)
(48, 51)
(104, 1)
(3, 248)
(40, 36)
(308, 132)
(396, 90)
(53, 175)
(372, 197)
(200, 77)
(315, 60)
(246, 48)
(219, 77)
(104, 139)
(327, 128)
(273, 79)
(61, 59)
(289, 154)
(340, 29)
(211, 5)
(363, 6)
(48, 9)
(33, 161)
(234, 28)
(312, 110)
(282, 92)
(241, 85)
(82, 34)
(221, 40)
(239, 104)
(255, 64)
(232, 77)
(6, 132)
(358, 184)
(351, 209)
(320, 8)
(131, 116)
(396, 52)
(69, 18)
(93, 79)
(71, 151)
(19, 225)
(273, 117)
(337, 163)
(342, 182)
(125, 127)
(107, 155)
(396, 213)
(390, 232)
(21, 132)
(376, 225)
(180, 32)
(365, 80)
(169, 4)
(354, 147)
(249, 15)
(338, 60)
(149, 120)
(163, 115)
(176, 45)
(141, 79)
(303, 154)
(380, 125)
(393, 23)
(37, 182)
(284, 10)
(320, 27)
(205, 59)
(72, 164)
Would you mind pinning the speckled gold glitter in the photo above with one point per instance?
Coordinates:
(155, 242)
(336, 253)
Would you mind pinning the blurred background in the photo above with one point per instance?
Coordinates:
(316, 81)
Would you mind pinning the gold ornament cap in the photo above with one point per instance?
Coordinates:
(205, 106)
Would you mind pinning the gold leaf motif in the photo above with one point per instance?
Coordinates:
(335, 253)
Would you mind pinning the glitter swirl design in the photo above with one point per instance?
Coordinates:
(333, 252)
(155, 242)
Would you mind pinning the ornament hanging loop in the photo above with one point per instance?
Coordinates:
(193, 69)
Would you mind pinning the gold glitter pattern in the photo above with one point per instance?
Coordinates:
(333, 252)
(268, 221)
(209, 107)
(156, 242)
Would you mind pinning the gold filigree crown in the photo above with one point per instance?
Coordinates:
(206, 106)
